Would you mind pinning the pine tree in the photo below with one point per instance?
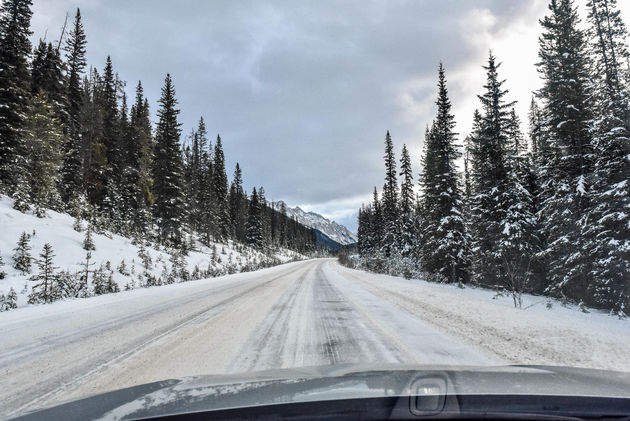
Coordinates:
(443, 232)
(141, 144)
(11, 300)
(238, 206)
(22, 259)
(169, 208)
(43, 140)
(15, 48)
(71, 172)
(407, 197)
(609, 229)
(88, 242)
(254, 234)
(220, 210)
(47, 76)
(567, 113)
(390, 199)
(115, 163)
(43, 290)
(490, 179)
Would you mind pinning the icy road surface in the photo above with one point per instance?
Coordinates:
(299, 314)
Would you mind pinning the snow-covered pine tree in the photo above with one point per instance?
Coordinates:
(406, 235)
(88, 242)
(114, 168)
(517, 244)
(490, 180)
(444, 239)
(254, 235)
(11, 300)
(22, 259)
(238, 206)
(44, 289)
(219, 186)
(71, 172)
(610, 222)
(15, 48)
(140, 133)
(390, 199)
(44, 139)
(169, 207)
(567, 113)
(47, 76)
(376, 231)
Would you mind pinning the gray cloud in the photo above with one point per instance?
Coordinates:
(301, 92)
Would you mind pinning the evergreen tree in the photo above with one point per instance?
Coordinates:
(11, 300)
(490, 179)
(22, 259)
(43, 140)
(88, 242)
(444, 239)
(220, 210)
(567, 113)
(169, 208)
(238, 206)
(15, 48)
(390, 198)
(254, 234)
(71, 172)
(609, 229)
(44, 289)
(141, 148)
(407, 197)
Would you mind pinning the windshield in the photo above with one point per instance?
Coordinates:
(224, 188)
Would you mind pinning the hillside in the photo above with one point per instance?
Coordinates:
(131, 263)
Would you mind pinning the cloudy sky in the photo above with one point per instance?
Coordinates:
(302, 92)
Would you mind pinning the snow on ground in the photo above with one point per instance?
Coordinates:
(57, 229)
(543, 331)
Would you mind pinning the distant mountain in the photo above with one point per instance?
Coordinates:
(334, 231)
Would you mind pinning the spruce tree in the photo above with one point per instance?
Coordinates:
(490, 179)
(443, 232)
(44, 138)
(11, 300)
(407, 197)
(390, 199)
(567, 113)
(169, 207)
(219, 186)
(609, 228)
(141, 144)
(254, 233)
(71, 173)
(22, 259)
(44, 289)
(238, 206)
(15, 48)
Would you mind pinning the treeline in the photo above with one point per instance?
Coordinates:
(69, 141)
(545, 215)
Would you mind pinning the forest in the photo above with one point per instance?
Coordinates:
(71, 141)
(547, 213)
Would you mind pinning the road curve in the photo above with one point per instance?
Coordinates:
(299, 314)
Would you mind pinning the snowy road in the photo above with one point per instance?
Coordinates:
(300, 314)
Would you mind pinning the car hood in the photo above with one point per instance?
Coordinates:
(202, 393)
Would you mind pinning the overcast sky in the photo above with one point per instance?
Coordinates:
(302, 92)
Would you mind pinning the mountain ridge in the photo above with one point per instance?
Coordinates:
(331, 229)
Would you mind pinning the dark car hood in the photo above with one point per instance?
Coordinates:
(202, 393)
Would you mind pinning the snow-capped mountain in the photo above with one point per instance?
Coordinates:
(331, 229)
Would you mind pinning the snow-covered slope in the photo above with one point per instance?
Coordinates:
(111, 251)
(333, 230)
